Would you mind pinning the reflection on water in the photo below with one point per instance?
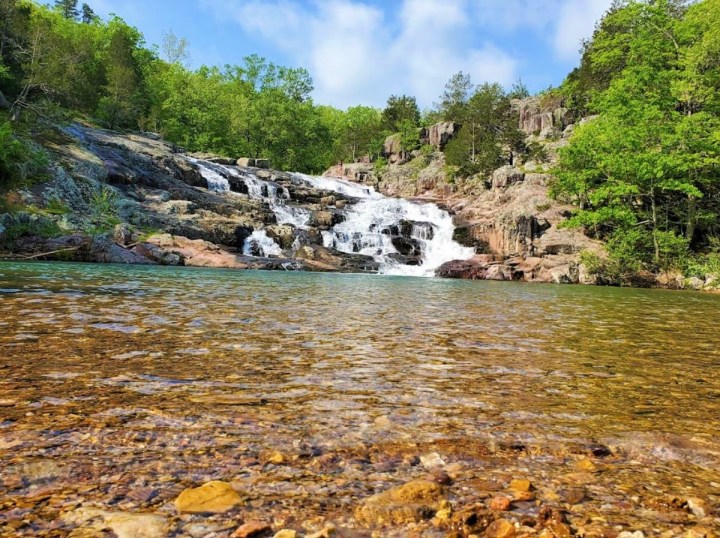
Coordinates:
(120, 386)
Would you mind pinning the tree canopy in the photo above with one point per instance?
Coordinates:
(646, 172)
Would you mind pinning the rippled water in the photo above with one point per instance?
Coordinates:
(120, 386)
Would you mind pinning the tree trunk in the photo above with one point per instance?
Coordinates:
(691, 218)
(654, 225)
(4, 104)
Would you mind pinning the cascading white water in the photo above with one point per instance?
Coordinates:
(374, 226)
(260, 245)
(369, 226)
(216, 182)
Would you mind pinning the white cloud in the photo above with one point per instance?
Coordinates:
(576, 22)
(358, 53)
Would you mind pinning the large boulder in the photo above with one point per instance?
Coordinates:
(105, 250)
(441, 133)
(187, 172)
(392, 149)
(283, 234)
(506, 176)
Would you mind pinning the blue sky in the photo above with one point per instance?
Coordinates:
(362, 51)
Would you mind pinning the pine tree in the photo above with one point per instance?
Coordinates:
(88, 15)
(68, 8)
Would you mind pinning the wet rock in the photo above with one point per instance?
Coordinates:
(252, 529)
(412, 502)
(39, 471)
(698, 507)
(585, 465)
(325, 219)
(501, 504)
(520, 484)
(205, 528)
(573, 495)
(285, 533)
(502, 528)
(473, 519)
(440, 477)
(550, 515)
(283, 234)
(213, 497)
(407, 247)
(329, 531)
(226, 399)
(157, 255)
(556, 530)
(123, 525)
(432, 460)
(600, 451)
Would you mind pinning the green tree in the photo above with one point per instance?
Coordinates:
(649, 167)
(454, 100)
(120, 106)
(362, 131)
(88, 15)
(68, 8)
(399, 109)
(488, 127)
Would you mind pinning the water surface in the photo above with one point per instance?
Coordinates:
(121, 386)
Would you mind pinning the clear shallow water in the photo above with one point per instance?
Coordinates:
(130, 379)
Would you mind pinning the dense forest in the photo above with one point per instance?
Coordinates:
(643, 168)
(645, 173)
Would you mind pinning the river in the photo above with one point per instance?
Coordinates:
(121, 386)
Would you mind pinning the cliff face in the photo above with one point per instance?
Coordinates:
(508, 216)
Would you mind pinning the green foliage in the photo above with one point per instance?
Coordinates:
(56, 206)
(646, 173)
(20, 161)
(488, 125)
(44, 228)
(535, 151)
(68, 8)
(454, 100)
(380, 165)
(88, 15)
(103, 210)
(399, 110)
(519, 90)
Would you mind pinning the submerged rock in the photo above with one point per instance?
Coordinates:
(415, 501)
(122, 524)
(213, 498)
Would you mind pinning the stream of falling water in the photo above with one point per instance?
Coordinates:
(405, 238)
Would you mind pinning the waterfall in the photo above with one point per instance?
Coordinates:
(216, 182)
(406, 238)
(261, 246)
(258, 244)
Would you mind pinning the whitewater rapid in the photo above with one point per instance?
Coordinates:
(366, 225)
(373, 226)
